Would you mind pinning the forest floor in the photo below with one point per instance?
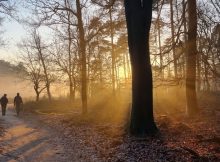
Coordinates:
(69, 137)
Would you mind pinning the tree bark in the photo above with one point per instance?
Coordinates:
(192, 107)
(69, 53)
(159, 43)
(112, 52)
(198, 61)
(37, 93)
(185, 37)
(173, 40)
(37, 97)
(82, 44)
(138, 18)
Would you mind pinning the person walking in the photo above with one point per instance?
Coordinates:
(4, 102)
(17, 103)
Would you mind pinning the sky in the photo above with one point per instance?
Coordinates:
(13, 32)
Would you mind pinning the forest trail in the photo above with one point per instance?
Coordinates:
(29, 141)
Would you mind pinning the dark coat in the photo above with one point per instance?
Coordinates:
(17, 100)
(4, 101)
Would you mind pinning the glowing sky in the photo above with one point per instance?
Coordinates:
(13, 32)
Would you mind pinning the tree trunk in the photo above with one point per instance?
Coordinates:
(198, 61)
(192, 107)
(37, 94)
(206, 77)
(159, 43)
(138, 17)
(71, 88)
(214, 80)
(128, 65)
(82, 45)
(69, 53)
(185, 37)
(46, 74)
(100, 64)
(37, 97)
(112, 52)
(173, 40)
(124, 67)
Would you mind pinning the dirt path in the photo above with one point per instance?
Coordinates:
(29, 141)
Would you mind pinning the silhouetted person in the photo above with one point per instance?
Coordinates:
(17, 103)
(4, 102)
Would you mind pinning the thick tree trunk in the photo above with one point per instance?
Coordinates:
(138, 17)
(192, 107)
(82, 44)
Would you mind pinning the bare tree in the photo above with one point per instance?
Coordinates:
(37, 48)
(32, 72)
(40, 47)
(7, 7)
(216, 5)
(64, 54)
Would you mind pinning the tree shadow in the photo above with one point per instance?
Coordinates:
(21, 136)
(19, 152)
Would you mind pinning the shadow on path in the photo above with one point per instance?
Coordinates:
(28, 142)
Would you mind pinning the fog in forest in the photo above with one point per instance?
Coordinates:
(110, 80)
